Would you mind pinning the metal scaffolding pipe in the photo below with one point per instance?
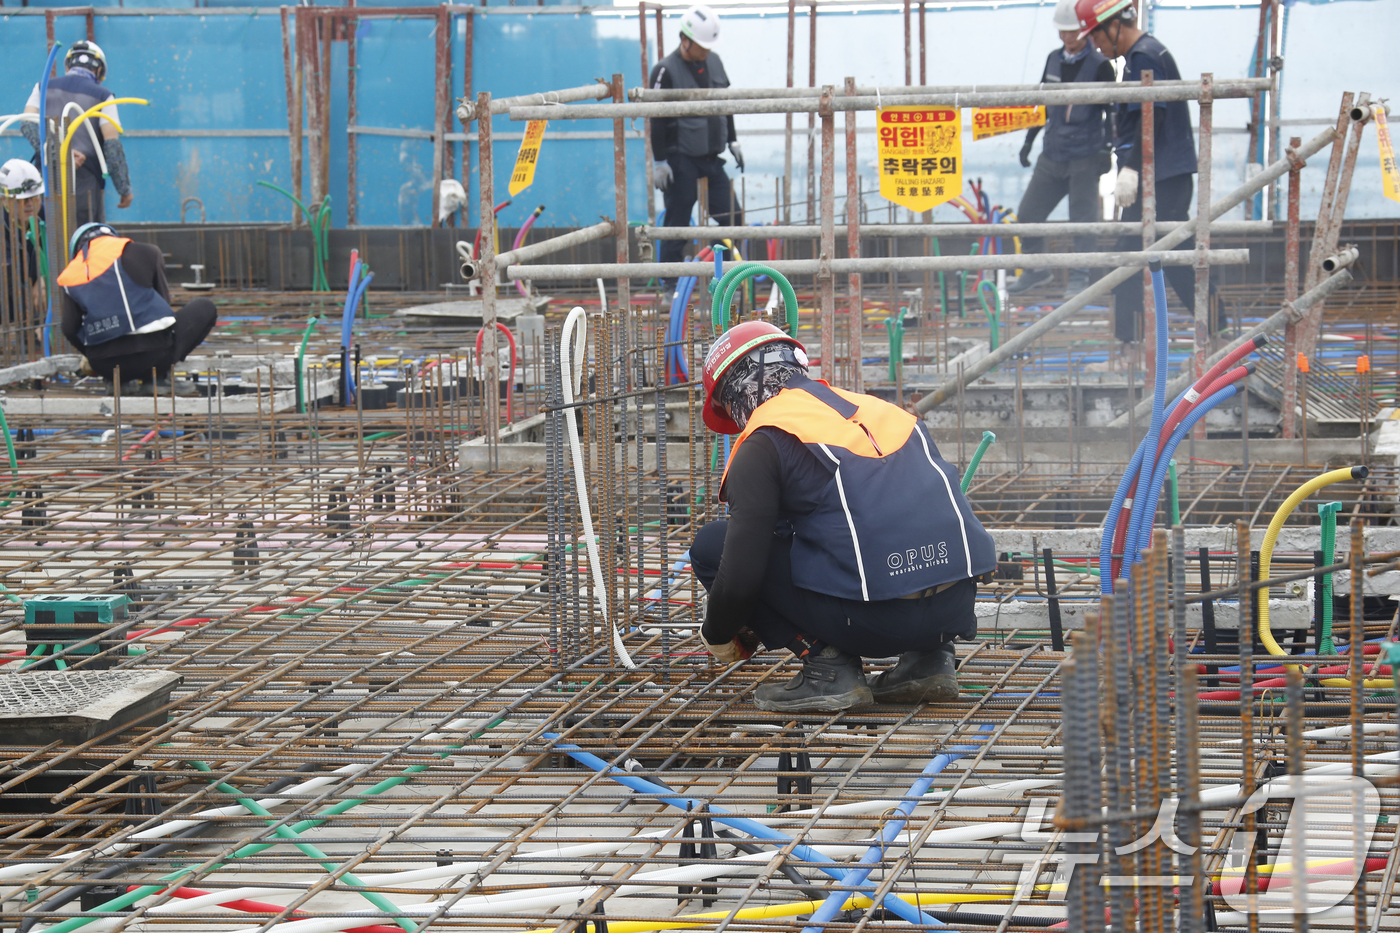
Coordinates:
(1103, 286)
(466, 109)
(1291, 312)
(1119, 94)
(544, 247)
(813, 231)
(647, 270)
(653, 95)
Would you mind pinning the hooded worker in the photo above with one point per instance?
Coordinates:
(687, 149)
(848, 534)
(70, 95)
(1112, 25)
(1073, 156)
(116, 311)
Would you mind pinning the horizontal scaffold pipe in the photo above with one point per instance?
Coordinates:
(1100, 289)
(466, 109)
(814, 231)
(649, 95)
(554, 244)
(1107, 94)
(647, 270)
(1290, 313)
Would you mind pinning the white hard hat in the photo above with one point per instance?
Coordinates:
(20, 179)
(700, 25)
(1066, 19)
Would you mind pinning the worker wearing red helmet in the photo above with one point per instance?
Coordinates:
(1112, 26)
(848, 535)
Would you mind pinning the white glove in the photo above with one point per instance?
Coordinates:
(661, 175)
(738, 155)
(1126, 187)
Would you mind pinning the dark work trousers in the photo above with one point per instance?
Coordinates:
(192, 324)
(1173, 203)
(879, 629)
(680, 196)
(1050, 183)
(87, 198)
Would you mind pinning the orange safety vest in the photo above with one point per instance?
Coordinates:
(892, 520)
(112, 304)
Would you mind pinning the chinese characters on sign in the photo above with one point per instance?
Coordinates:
(523, 175)
(1390, 175)
(993, 121)
(920, 155)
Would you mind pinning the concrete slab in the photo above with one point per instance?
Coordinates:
(103, 406)
(467, 312)
(75, 706)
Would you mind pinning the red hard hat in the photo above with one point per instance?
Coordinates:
(1094, 13)
(731, 346)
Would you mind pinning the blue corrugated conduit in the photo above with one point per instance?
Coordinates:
(757, 830)
(43, 158)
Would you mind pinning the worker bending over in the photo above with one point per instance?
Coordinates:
(1073, 155)
(848, 535)
(74, 93)
(116, 311)
(687, 149)
(1112, 26)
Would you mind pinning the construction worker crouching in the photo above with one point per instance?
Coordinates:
(687, 149)
(117, 313)
(848, 535)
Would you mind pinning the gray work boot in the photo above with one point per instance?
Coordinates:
(1029, 279)
(182, 388)
(919, 677)
(1078, 281)
(829, 680)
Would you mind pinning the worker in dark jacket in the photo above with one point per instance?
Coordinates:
(687, 149)
(848, 535)
(1112, 26)
(74, 93)
(1073, 156)
(116, 311)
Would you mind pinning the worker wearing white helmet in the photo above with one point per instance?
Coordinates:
(1073, 156)
(21, 198)
(72, 93)
(687, 149)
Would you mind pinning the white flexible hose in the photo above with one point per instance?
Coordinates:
(571, 374)
(92, 133)
(9, 121)
(27, 870)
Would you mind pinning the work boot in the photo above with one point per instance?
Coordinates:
(1029, 279)
(129, 386)
(183, 388)
(1078, 281)
(919, 677)
(829, 680)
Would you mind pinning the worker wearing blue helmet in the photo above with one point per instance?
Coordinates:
(116, 311)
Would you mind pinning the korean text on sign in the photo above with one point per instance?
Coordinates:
(523, 175)
(920, 155)
(1390, 175)
(993, 121)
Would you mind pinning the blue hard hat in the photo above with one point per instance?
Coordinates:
(88, 232)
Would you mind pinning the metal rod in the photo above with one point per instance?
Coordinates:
(813, 231)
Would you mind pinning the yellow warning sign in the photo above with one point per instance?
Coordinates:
(920, 155)
(523, 175)
(993, 121)
(1390, 176)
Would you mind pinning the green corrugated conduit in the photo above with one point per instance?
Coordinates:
(988, 438)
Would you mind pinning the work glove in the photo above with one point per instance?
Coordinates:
(739, 648)
(1026, 152)
(1126, 187)
(738, 155)
(661, 175)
